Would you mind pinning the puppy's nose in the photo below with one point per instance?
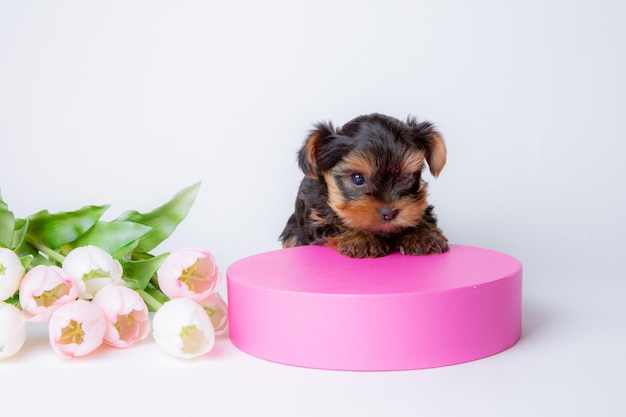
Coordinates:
(388, 214)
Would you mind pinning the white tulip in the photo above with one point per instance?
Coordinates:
(11, 272)
(12, 330)
(92, 268)
(183, 329)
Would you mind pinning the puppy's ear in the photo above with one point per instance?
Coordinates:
(426, 137)
(322, 149)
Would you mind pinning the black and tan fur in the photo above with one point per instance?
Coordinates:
(363, 192)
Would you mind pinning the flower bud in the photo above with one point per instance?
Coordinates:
(189, 273)
(92, 268)
(182, 328)
(11, 272)
(44, 289)
(126, 314)
(12, 330)
(76, 329)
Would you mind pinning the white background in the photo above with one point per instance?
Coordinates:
(127, 102)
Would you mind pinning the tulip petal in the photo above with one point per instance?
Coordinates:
(76, 329)
(12, 330)
(126, 314)
(11, 272)
(92, 268)
(217, 310)
(189, 273)
(43, 289)
(183, 329)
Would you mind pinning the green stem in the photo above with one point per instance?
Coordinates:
(51, 254)
(150, 300)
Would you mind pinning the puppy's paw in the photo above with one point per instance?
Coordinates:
(423, 242)
(359, 245)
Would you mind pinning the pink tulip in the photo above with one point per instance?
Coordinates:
(44, 289)
(188, 273)
(76, 329)
(126, 314)
(217, 310)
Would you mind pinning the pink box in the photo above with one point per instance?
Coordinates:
(310, 306)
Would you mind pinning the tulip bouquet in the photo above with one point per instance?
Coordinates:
(96, 282)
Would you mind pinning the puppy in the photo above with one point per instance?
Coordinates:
(363, 192)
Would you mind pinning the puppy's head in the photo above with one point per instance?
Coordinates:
(372, 169)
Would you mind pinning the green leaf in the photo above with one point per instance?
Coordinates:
(28, 252)
(153, 297)
(39, 259)
(137, 274)
(125, 251)
(19, 236)
(14, 300)
(163, 219)
(111, 236)
(27, 261)
(21, 248)
(7, 225)
(56, 230)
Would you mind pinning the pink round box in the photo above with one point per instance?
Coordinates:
(310, 306)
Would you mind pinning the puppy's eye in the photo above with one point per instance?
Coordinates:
(409, 178)
(357, 179)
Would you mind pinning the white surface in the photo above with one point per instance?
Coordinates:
(127, 102)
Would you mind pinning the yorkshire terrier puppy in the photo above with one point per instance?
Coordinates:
(363, 192)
